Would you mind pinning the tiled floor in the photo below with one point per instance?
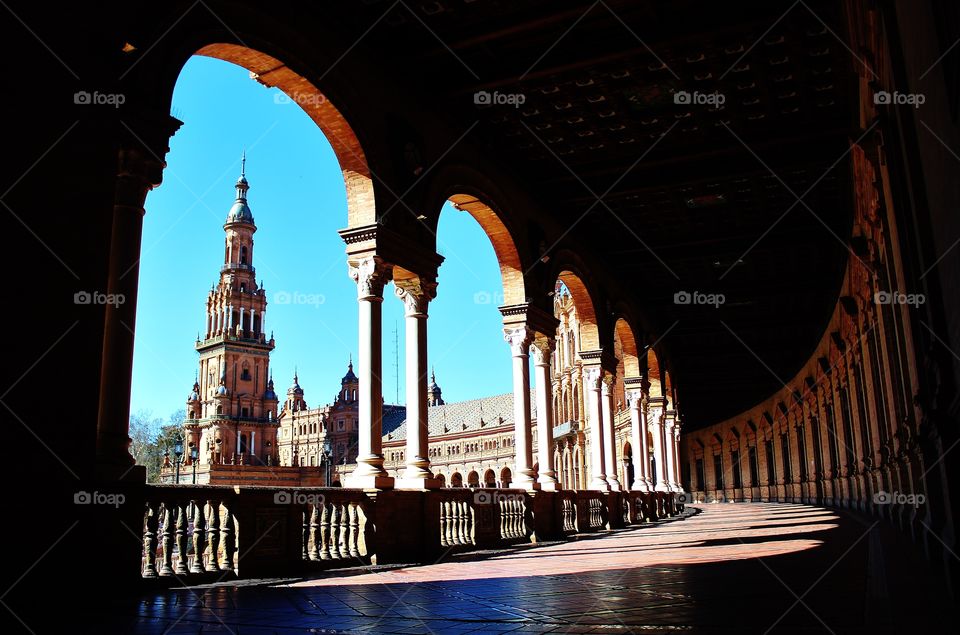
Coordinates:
(733, 568)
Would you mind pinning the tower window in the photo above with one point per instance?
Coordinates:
(244, 412)
(245, 373)
(243, 255)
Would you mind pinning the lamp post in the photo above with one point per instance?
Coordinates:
(327, 455)
(194, 455)
(268, 445)
(177, 453)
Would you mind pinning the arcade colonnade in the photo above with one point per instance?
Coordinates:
(654, 426)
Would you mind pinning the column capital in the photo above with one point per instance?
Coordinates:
(543, 347)
(519, 339)
(371, 274)
(416, 294)
(592, 377)
(530, 316)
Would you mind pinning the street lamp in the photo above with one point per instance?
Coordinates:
(327, 452)
(194, 455)
(269, 445)
(178, 452)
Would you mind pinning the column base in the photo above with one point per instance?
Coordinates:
(640, 486)
(600, 484)
(615, 485)
(661, 487)
(417, 483)
(550, 486)
(368, 481)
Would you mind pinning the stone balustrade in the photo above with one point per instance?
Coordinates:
(206, 533)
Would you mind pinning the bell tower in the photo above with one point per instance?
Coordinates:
(232, 410)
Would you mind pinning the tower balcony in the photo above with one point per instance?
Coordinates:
(246, 337)
(235, 266)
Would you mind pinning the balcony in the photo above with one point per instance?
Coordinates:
(202, 533)
(235, 266)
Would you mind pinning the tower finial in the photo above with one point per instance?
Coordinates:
(350, 362)
(243, 163)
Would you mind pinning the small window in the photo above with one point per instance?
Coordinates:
(245, 374)
(340, 424)
(244, 412)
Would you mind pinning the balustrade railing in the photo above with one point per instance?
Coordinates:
(205, 533)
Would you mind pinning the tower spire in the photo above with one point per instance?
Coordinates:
(243, 163)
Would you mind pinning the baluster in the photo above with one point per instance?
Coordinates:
(354, 530)
(457, 521)
(305, 533)
(464, 523)
(448, 514)
(214, 526)
(325, 532)
(472, 519)
(344, 531)
(334, 530)
(229, 531)
(199, 537)
(150, 540)
(443, 525)
(501, 506)
(169, 523)
(315, 531)
(180, 511)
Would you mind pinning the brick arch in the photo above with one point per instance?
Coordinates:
(271, 72)
(586, 313)
(504, 245)
(623, 332)
(653, 374)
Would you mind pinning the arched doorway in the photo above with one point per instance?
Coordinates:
(506, 477)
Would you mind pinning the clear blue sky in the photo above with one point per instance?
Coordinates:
(298, 201)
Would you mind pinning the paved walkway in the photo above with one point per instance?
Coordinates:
(733, 568)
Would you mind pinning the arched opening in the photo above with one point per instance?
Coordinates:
(586, 336)
(473, 479)
(489, 478)
(273, 73)
(456, 480)
(441, 478)
(628, 465)
(506, 477)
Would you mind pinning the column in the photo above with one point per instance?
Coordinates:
(668, 448)
(543, 347)
(519, 340)
(253, 330)
(241, 321)
(416, 294)
(609, 439)
(638, 436)
(594, 417)
(229, 318)
(139, 171)
(677, 475)
(659, 441)
(371, 274)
